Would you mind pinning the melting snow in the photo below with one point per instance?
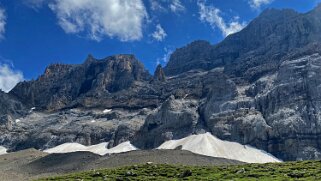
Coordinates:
(100, 149)
(123, 147)
(32, 109)
(3, 150)
(207, 144)
(106, 110)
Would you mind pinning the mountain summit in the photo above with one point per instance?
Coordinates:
(261, 45)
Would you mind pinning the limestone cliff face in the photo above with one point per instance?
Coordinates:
(260, 87)
(279, 112)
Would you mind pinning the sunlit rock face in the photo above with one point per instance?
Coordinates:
(259, 87)
(280, 112)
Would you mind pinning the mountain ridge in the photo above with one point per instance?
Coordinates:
(259, 37)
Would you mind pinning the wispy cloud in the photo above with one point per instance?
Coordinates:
(212, 15)
(176, 6)
(2, 22)
(165, 58)
(159, 34)
(36, 4)
(256, 4)
(99, 18)
(157, 6)
(9, 77)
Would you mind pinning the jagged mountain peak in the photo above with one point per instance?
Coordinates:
(56, 69)
(193, 55)
(269, 37)
(90, 59)
(61, 84)
(128, 57)
(159, 74)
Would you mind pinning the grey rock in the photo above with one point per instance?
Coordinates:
(159, 74)
(176, 118)
(257, 49)
(46, 130)
(75, 85)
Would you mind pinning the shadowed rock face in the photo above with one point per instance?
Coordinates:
(10, 105)
(159, 74)
(60, 85)
(198, 54)
(260, 87)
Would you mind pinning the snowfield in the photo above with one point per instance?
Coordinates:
(3, 150)
(209, 145)
(203, 144)
(100, 149)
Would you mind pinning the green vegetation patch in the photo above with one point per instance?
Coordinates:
(305, 170)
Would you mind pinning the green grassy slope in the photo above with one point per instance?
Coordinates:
(306, 170)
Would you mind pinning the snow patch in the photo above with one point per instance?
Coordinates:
(18, 120)
(107, 111)
(32, 109)
(123, 147)
(209, 145)
(100, 149)
(93, 121)
(3, 150)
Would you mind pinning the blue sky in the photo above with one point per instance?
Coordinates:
(36, 33)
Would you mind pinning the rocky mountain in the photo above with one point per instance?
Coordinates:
(64, 86)
(257, 49)
(258, 87)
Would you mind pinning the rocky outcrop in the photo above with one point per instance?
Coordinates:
(43, 130)
(292, 108)
(278, 113)
(159, 74)
(196, 55)
(9, 105)
(176, 118)
(10, 109)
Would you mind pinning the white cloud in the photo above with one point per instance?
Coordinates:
(159, 34)
(156, 6)
(35, 4)
(9, 77)
(176, 6)
(2, 23)
(212, 15)
(122, 19)
(166, 56)
(256, 4)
